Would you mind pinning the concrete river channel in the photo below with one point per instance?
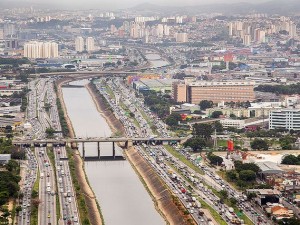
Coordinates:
(122, 197)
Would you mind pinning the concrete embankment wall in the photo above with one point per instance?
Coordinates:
(103, 108)
(158, 189)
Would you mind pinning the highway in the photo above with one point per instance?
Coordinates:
(67, 196)
(27, 183)
(201, 184)
(47, 189)
(40, 117)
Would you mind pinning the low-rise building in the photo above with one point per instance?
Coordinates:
(4, 158)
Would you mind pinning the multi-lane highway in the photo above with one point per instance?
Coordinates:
(201, 183)
(47, 207)
(28, 178)
(42, 114)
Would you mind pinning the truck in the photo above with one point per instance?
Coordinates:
(229, 215)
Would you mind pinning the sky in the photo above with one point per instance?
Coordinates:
(117, 4)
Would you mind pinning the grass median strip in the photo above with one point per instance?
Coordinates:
(213, 212)
(35, 207)
(52, 160)
(183, 159)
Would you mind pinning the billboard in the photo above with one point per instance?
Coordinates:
(230, 145)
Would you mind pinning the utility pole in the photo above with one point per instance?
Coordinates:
(215, 140)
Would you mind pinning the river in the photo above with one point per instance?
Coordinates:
(156, 60)
(121, 195)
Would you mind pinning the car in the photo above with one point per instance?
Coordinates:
(48, 215)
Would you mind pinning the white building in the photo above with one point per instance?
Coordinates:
(35, 49)
(79, 44)
(90, 44)
(4, 158)
(238, 124)
(285, 118)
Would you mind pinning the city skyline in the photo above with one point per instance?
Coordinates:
(124, 4)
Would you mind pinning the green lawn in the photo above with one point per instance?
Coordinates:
(34, 208)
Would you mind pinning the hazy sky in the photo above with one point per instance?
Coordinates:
(131, 3)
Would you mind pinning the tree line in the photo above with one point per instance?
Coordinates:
(280, 89)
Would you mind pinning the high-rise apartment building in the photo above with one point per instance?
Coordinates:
(179, 92)
(1, 34)
(247, 39)
(9, 30)
(79, 44)
(181, 37)
(35, 49)
(90, 44)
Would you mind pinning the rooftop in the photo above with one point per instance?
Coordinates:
(268, 167)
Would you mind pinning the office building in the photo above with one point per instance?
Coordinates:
(285, 118)
(79, 44)
(90, 44)
(227, 91)
(35, 49)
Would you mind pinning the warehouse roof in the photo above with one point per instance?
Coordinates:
(269, 167)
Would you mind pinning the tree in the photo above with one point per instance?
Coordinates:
(251, 195)
(239, 166)
(247, 175)
(291, 160)
(202, 130)
(286, 142)
(50, 132)
(196, 143)
(173, 119)
(289, 221)
(216, 114)
(205, 104)
(232, 201)
(224, 194)
(214, 159)
(231, 175)
(259, 144)
(218, 126)
(232, 115)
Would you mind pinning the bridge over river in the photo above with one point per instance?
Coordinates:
(123, 142)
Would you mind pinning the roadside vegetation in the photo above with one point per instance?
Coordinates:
(9, 188)
(51, 156)
(82, 207)
(35, 201)
(62, 119)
